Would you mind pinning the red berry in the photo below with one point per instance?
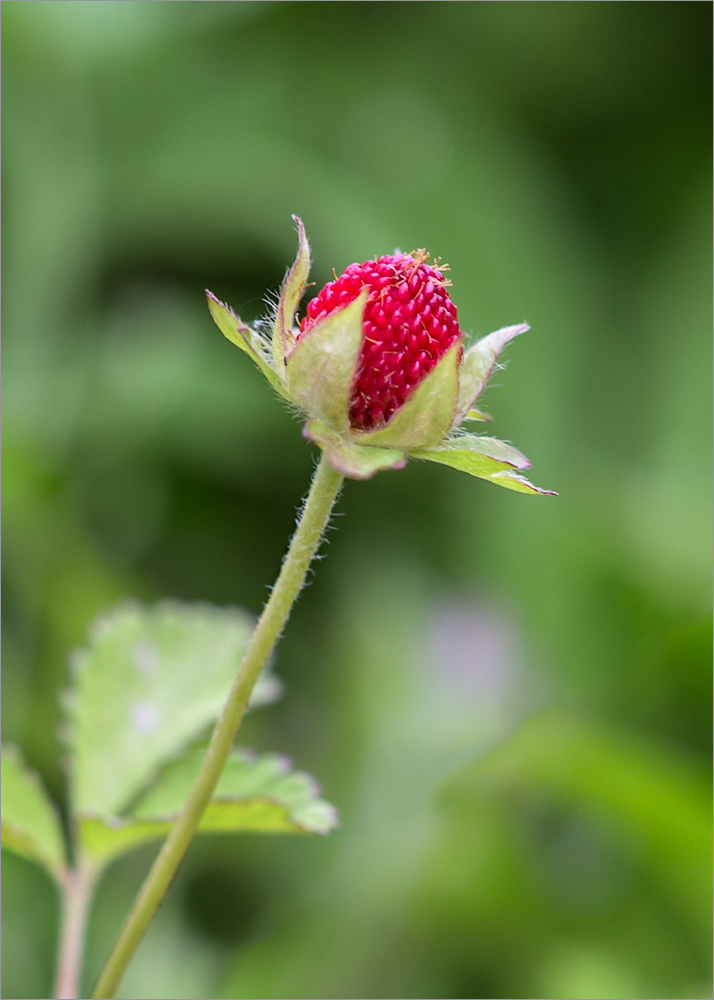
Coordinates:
(409, 324)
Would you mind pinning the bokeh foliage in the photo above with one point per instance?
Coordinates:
(507, 697)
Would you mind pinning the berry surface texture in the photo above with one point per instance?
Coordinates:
(409, 324)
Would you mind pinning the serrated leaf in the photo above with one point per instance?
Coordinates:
(246, 776)
(428, 414)
(478, 363)
(321, 368)
(150, 680)
(352, 460)
(104, 839)
(254, 795)
(290, 295)
(239, 333)
(30, 823)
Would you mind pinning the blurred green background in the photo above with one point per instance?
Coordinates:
(507, 697)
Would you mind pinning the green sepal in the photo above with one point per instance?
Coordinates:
(478, 415)
(239, 333)
(30, 823)
(479, 361)
(485, 458)
(349, 458)
(512, 481)
(321, 368)
(489, 447)
(464, 460)
(255, 794)
(428, 414)
(290, 295)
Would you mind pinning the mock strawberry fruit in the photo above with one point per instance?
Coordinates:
(409, 323)
(379, 369)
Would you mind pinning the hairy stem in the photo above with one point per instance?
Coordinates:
(77, 889)
(312, 522)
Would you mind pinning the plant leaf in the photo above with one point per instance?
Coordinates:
(290, 295)
(351, 459)
(428, 414)
(255, 794)
(478, 363)
(321, 368)
(239, 333)
(30, 824)
(151, 679)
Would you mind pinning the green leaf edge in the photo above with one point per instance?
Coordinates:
(292, 816)
(15, 839)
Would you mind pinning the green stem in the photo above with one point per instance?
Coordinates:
(77, 889)
(313, 520)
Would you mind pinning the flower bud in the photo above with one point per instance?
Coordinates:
(378, 366)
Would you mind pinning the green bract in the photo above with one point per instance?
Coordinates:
(316, 372)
